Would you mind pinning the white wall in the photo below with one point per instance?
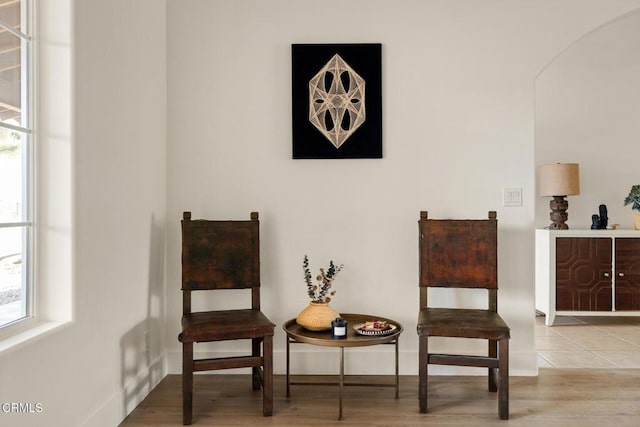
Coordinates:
(587, 111)
(95, 369)
(458, 120)
(458, 107)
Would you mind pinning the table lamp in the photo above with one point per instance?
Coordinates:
(559, 180)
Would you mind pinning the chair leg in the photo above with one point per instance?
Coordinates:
(423, 359)
(503, 371)
(255, 371)
(267, 381)
(187, 382)
(493, 353)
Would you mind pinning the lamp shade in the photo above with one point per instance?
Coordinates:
(559, 179)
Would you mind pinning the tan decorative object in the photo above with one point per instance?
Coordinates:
(636, 220)
(337, 93)
(317, 316)
(558, 181)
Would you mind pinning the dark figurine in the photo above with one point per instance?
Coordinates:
(595, 222)
(604, 220)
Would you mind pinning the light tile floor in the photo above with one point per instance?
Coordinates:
(588, 342)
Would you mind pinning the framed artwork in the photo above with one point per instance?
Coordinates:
(337, 101)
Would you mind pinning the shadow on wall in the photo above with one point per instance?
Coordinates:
(141, 347)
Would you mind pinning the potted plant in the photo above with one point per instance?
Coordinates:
(633, 199)
(317, 316)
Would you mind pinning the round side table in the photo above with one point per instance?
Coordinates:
(298, 334)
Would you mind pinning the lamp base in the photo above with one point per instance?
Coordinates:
(558, 215)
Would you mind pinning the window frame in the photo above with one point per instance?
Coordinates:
(53, 58)
(26, 129)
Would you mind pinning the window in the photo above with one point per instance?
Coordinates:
(16, 163)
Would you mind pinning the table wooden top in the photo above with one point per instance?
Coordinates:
(353, 339)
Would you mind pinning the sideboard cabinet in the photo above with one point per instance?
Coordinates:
(587, 273)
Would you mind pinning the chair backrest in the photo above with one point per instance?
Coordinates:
(221, 255)
(458, 254)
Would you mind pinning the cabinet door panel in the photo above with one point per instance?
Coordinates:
(583, 274)
(627, 274)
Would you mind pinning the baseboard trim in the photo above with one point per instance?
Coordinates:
(375, 360)
(116, 409)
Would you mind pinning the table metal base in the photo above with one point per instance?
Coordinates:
(341, 383)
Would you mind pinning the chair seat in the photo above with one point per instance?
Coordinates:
(462, 323)
(224, 325)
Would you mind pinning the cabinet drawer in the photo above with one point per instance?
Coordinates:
(627, 285)
(583, 274)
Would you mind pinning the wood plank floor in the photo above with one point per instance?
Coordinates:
(556, 398)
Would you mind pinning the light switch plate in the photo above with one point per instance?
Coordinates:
(511, 197)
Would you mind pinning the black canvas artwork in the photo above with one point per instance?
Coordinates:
(337, 101)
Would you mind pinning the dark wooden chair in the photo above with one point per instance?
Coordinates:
(462, 254)
(218, 255)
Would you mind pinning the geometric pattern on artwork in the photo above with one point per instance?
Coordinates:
(336, 101)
